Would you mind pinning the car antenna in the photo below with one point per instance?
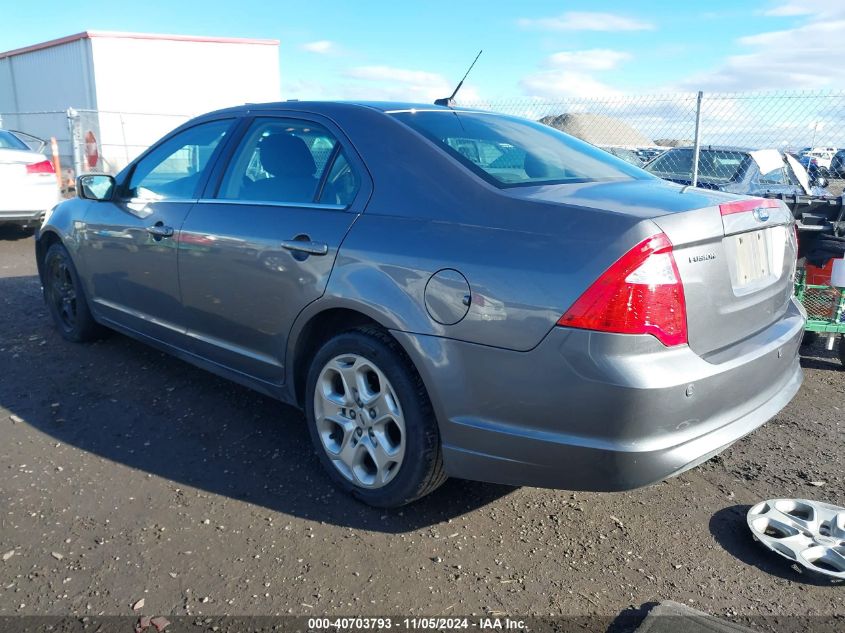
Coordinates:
(450, 101)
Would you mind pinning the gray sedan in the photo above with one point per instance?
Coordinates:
(444, 292)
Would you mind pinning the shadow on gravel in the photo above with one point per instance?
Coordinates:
(630, 619)
(816, 355)
(12, 232)
(129, 403)
(730, 530)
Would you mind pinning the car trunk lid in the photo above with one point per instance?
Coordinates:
(736, 261)
(735, 254)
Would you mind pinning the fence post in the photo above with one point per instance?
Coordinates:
(75, 140)
(57, 161)
(123, 133)
(696, 150)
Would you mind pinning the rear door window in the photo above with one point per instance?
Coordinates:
(289, 161)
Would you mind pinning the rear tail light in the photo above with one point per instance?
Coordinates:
(44, 167)
(641, 293)
(743, 206)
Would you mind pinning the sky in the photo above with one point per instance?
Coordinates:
(540, 49)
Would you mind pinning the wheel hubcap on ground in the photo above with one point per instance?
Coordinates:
(63, 292)
(359, 421)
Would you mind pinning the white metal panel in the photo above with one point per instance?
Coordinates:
(156, 84)
(182, 76)
(52, 78)
(7, 88)
(38, 86)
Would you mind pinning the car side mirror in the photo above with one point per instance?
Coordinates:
(98, 187)
(819, 181)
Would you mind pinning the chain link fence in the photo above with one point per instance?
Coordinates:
(92, 140)
(732, 141)
(717, 140)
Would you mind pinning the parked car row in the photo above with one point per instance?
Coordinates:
(829, 161)
(739, 170)
(837, 164)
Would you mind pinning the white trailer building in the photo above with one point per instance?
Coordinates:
(107, 96)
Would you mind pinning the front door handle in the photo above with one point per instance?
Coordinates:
(158, 230)
(308, 247)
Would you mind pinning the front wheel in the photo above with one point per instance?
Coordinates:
(65, 298)
(371, 420)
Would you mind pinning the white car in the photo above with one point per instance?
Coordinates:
(28, 186)
(823, 156)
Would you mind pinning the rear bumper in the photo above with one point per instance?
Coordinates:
(603, 412)
(27, 203)
(22, 217)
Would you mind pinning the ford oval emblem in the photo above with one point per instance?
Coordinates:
(761, 213)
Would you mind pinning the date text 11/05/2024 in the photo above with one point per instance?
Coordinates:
(411, 624)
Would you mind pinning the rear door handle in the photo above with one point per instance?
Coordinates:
(311, 248)
(159, 230)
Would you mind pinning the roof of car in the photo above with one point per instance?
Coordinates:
(305, 106)
(716, 148)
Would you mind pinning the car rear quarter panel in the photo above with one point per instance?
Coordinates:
(521, 282)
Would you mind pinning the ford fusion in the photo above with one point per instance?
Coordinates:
(444, 292)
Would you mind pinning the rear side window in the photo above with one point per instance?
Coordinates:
(342, 183)
(289, 161)
(510, 152)
(174, 168)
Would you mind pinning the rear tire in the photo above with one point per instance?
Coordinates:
(65, 297)
(371, 421)
(842, 349)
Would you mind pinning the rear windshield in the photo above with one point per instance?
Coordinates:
(713, 165)
(511, 152)
(10, 141)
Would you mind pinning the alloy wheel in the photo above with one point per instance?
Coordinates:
(62, 292)
(359, 421)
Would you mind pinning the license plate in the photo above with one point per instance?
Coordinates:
(756, 258)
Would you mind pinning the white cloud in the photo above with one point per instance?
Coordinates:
(555, 84)
(586, 21)
(783, 60)
(567, 74)
(790, 9)
(591, 59)
(321, 47)
(382, 83)
(389, 73)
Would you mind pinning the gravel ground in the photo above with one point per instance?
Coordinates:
(130, 475)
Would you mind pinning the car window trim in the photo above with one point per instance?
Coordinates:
(212, 186)
(126, 178)
(272, 203)
(324, 178)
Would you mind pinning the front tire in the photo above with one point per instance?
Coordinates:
(65, 298)
(371, 420)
